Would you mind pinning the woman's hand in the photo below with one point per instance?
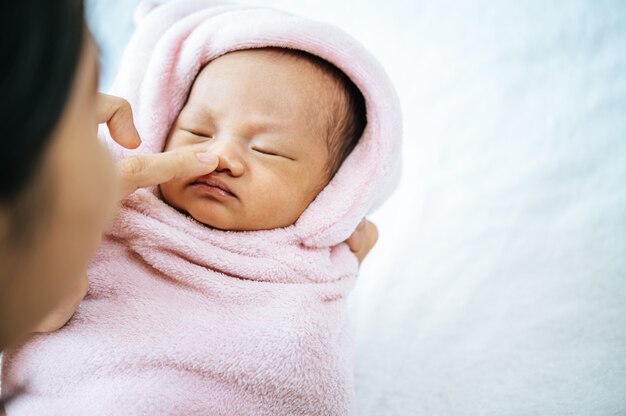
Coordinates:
(363, 239)
(150, 169)
(154, 169)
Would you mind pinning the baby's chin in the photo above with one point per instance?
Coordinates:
(213, 217)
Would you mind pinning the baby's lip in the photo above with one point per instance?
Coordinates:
(214, 181)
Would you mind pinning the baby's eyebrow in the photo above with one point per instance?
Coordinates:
(260, 127)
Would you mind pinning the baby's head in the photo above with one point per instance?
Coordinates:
(281, 123)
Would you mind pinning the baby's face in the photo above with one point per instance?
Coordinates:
(262, 114)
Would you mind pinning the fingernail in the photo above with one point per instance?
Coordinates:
(206, 157)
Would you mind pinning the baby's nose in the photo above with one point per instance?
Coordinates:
(229, 158)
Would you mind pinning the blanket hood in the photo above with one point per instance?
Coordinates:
(175, 40)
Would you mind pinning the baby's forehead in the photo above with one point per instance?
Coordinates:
(303, 82)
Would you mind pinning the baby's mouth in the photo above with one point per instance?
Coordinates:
(213, 185)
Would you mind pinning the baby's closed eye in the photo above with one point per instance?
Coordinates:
(196, 133)
(271, 152)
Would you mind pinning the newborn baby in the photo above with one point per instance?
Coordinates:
(281, 123)
(226, 294)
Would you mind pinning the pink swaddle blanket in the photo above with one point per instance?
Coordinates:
(184, 319)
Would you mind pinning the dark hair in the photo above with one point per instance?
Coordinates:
(347, 124)
(41, 43)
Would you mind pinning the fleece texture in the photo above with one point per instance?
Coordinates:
(184, 319)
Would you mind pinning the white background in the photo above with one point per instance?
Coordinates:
(498, 286)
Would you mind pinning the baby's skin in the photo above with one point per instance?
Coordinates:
(263, 114)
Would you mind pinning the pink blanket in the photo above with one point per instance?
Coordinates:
(184, 319)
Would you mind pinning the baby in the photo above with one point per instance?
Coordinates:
(226, 294)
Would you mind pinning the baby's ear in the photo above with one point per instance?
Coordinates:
(144, 8)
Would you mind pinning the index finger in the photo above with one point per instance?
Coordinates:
(154, 169)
